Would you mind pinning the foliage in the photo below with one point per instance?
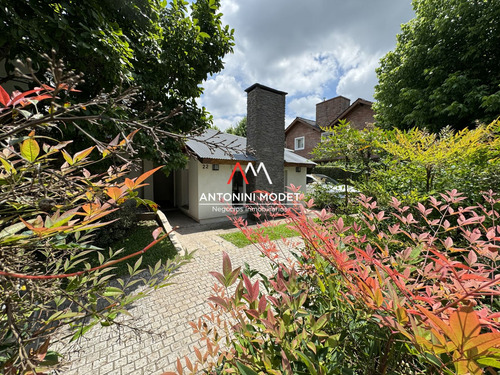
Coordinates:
(444, 68)
(274, 232)
(240, 128)
(139, 238)
(124, 220)
(417, 164)
(50, 205)
(413, 164)
(323, 198)
(353, 150)
(432, 152)
(415, 300)
(334, 171)
(161, 46)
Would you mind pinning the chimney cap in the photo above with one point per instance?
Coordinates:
(258, 85)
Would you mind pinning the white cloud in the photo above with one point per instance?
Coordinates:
(224, 96)
(312, 49)
(305, 105)
(354, 82)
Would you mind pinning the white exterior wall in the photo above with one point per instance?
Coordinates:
(210, 181)
(193, 187)
(204, 180)
(296, 178)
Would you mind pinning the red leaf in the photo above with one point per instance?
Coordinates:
(41, 352)
(219, 277)
(129, 183)
(226, 264)
(4, 97)
(18, 98)
(465, 324)
(145, 175)
(157, 232)
(218, 300)
(114, 193)
(262, 304)
(179, 366)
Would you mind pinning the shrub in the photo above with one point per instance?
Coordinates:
(123, 221)
(336, 172)
(394, 288)
(417, 164)
(50, 205)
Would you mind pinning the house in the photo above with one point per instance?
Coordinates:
(224, 170)
(302, 135)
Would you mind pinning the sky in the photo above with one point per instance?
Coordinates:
(311, 49)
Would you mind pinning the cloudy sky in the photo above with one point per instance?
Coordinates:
(311, 49)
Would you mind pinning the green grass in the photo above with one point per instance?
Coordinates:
(139, 238)
(274, 232)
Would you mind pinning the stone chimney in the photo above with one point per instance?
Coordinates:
(328, 110)
(266, 136)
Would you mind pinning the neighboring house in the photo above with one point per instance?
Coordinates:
(302, 135)
(217, 164)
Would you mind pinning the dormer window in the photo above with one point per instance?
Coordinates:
(299, 143)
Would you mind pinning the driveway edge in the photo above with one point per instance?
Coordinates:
(171, 232)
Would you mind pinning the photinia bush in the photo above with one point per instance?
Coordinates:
(50, 205)
(410, 291)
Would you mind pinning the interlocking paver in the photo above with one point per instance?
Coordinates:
(167, 311)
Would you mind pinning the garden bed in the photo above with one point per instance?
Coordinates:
(140, 237)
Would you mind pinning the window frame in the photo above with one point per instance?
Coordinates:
(296, 140)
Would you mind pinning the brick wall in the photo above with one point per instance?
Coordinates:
(361, 115)
(311, 138)
(328, 110)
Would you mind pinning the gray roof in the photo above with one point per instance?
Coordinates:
(213, 144)
(310, 122)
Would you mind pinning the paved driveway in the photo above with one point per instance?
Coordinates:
(108, 350)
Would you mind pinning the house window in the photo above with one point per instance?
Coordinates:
(215, 167)
(299, 143)
(325, 136)
(297, 169)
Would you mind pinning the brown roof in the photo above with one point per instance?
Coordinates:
(305, 121)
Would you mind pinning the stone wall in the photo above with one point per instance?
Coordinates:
(266, 136)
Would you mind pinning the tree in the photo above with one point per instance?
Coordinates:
(240, 128)
(157, 45)
(430, 152)
(444, 70)
(354, 149)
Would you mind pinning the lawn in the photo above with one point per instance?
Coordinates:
(274, 232)
(139, 238)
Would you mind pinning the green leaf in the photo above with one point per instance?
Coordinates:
(137, 263)
(30, 149)
(8, 166)
(308, 363)
(112, 291)
(60, 315)
(245, 370)
(488, 361)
